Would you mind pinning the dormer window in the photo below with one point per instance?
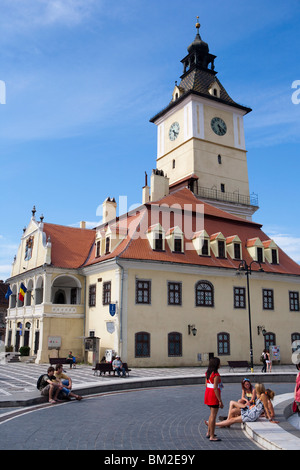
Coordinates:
(201, 243)
(217, 244)
(175, 239)
(156, 237)
(215, 89)
(256, 249)
(234, 247)
(271, 251)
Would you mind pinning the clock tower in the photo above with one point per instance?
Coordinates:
(200, 136)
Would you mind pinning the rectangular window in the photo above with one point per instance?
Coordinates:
(268, 299)
(237, 251)
(174, 293)
(294, 301)
(158, 241)
(107, 243)
(92, 295)
(239, 296)
(221, 248)
(177, 245)
(98, 249)
(274, 257)
(205, 247)
(174, 344)
(143, 292)
(73, 296)
(259, 255)
(142, 344)
(106, 298)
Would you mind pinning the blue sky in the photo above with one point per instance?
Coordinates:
(83, 78)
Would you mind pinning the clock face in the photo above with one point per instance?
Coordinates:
(218, 126)
(174, 131)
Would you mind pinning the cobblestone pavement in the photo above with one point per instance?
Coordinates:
(157, 419)
(17, 378)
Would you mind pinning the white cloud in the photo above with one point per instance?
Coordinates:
(290, 245)
(7, 251)
(28, 14)
(288, 242)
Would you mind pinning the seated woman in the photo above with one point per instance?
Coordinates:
(248, 393)
(248, 413)
(248, 398)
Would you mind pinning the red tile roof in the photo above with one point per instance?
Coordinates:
(73, 247)
(70, 246)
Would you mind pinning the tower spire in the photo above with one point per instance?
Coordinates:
(198, 26)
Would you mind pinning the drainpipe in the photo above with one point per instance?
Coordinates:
(84, 315)
(121, 308)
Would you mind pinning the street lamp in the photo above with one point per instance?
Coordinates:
(192, 329)
(246, 268)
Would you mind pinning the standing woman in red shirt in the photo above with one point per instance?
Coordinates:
(212, 396)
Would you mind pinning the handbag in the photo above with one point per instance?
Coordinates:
(294, 407)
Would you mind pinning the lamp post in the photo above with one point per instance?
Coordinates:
(244, 267)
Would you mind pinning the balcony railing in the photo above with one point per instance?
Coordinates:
(236, 198)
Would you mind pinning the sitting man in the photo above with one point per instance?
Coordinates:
(49, 386)
(71, 360)
(66, 382)
(118, 366)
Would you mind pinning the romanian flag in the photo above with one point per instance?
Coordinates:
(22, 292)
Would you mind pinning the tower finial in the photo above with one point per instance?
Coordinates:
(198, 24)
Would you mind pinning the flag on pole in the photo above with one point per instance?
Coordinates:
(8, 293)
(22, 292)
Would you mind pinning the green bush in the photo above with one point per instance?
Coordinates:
(24, 350)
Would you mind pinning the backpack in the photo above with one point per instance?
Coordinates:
(39, 380)
(263, 357)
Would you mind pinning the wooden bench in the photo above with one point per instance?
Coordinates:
(60, 360)
(102, 367)
(236, 364)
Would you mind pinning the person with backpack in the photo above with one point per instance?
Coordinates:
(49, 386)
(263, 359)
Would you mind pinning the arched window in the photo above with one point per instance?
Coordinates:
(223, 344)
(174, 344)
(142, 344)
(295, 337)
(204, 293)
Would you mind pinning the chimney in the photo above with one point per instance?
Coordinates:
(109, 209)
(146, 191)
(82, 224)
(159, 185)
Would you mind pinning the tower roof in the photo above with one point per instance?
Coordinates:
(198, 77)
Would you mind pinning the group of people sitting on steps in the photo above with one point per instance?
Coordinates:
(254, 402)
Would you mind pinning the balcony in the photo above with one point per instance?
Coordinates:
(235, 198)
